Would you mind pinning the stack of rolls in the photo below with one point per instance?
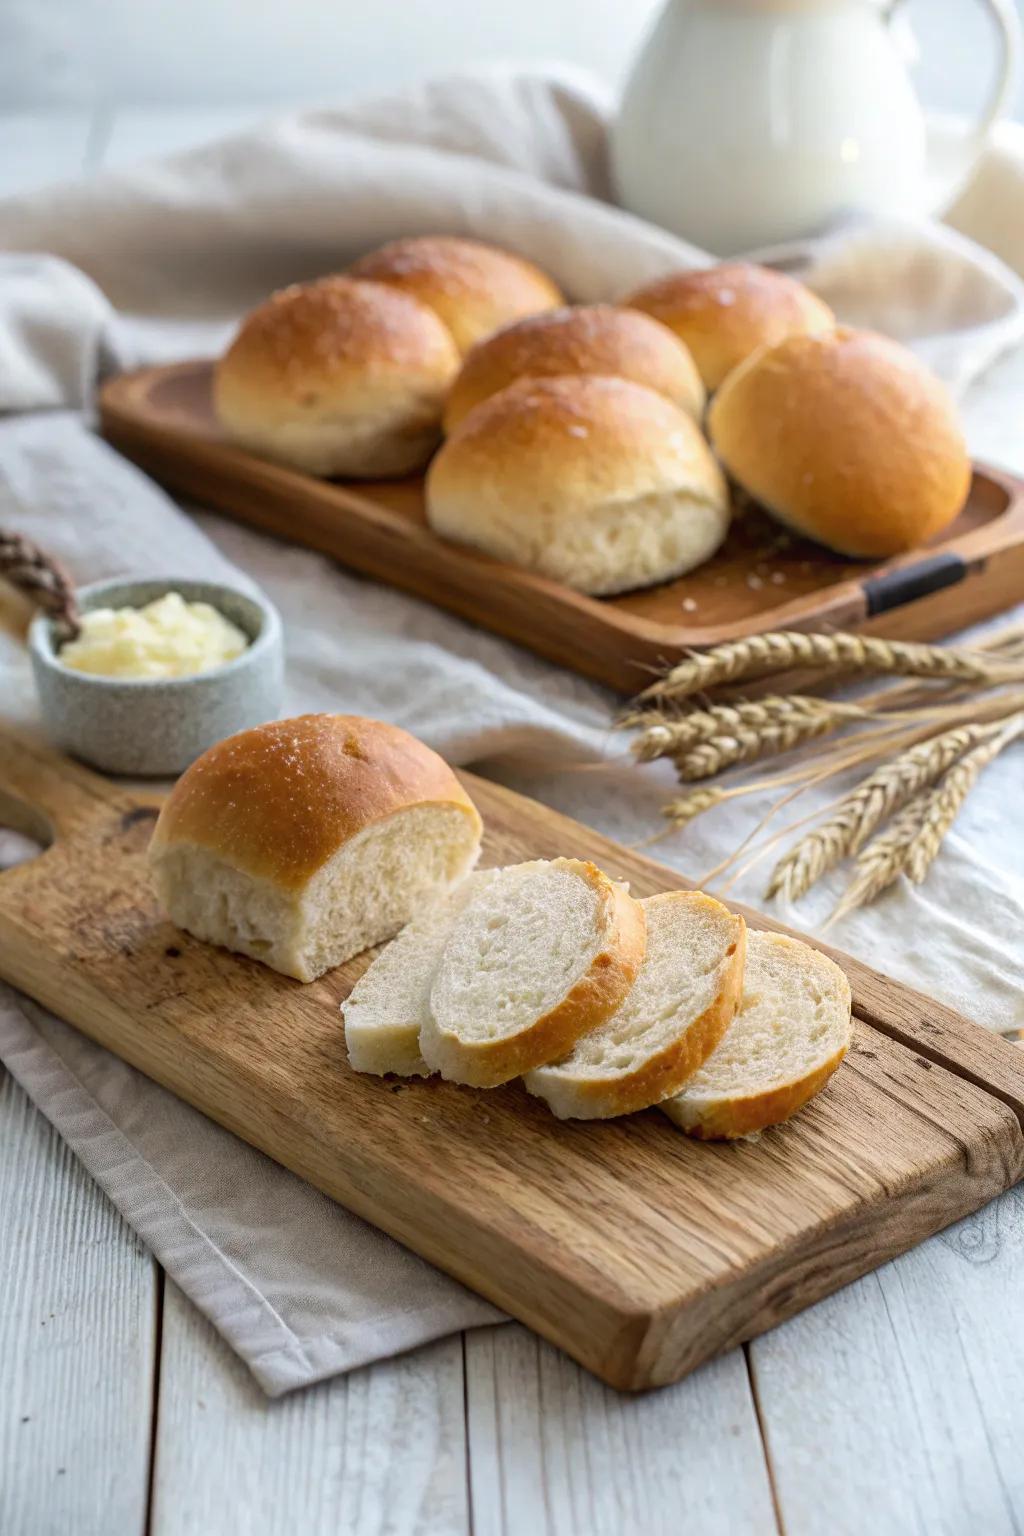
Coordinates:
(575, 434)
(348, 375)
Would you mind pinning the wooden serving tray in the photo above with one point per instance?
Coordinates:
(163, 419)
(640, 1252)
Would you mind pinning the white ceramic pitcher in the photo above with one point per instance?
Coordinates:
(751, 122)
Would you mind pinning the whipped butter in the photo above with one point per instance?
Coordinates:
(169, 637)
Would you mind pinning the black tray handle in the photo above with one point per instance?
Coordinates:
(894, 588)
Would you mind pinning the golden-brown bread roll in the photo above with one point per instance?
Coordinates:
(725, 313)
(597, 482)
(474, 288)
(338, 377)
(593, 338)
(304, 841)
(845, 437)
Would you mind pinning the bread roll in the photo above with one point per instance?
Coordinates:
(847, 438)
(725, 313)
(596, 482)
(474, 288)
(547, 951)
(597, 338)
(304, 841)
(792, 1031)
(338, 378)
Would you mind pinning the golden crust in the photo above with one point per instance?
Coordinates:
(847, 438)
(729, 1118)
(725, 313)
(473, 287)
(667, 1073)
(571, 444)
(594, 998)
(279, 800)
(594, 338)
(333, 334)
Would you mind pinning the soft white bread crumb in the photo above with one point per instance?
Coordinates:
(792, 1030)
(302, 842)
(678, 1010)
(545, 953)
(390, 1002)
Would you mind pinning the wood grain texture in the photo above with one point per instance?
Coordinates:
(162, 418)
(554, 1451)
(77, 1342)
(902, 1395)
(379, 1452)
(723, 1241)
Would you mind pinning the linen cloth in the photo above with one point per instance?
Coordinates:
(158, 263)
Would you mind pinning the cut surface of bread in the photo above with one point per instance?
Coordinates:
(390, 1002)
(545, 953)
(678, 1010)
(792, 1030)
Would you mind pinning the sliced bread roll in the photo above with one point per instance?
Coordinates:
(545, 953)
(390, 1002)
(676, 1013)
(792, 1030)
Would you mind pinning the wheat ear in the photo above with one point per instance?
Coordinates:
(946, 801)
(742, 721)
(42, 579)
(784, 650)
(866, 807)
(686, 807)
(781, 731)
(883, 860)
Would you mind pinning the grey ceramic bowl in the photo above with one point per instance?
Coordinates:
(157, 726)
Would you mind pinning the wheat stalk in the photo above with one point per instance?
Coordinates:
(947, 799)
(42, 579)
(866, 807)
(776, 713)
(883, 860)
(686, 807)
(784, 650)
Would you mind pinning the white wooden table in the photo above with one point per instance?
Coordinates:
(897, 1406)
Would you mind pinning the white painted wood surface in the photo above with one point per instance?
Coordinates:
(893, 1406)
(553, 1451)
(381, 1452)
(77, 1342)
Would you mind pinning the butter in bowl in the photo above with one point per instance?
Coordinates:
(158, 671)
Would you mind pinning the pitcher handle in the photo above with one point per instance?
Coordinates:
(971, 144)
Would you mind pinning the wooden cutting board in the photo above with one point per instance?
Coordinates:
(163, 419)
(638, 1251)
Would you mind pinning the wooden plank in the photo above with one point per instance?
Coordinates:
(724, 1241)
(380, 1452)
(553, 1451)
(77, 1342)
(902, 1395)
(163, 419)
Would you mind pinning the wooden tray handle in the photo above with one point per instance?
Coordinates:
(47, 797)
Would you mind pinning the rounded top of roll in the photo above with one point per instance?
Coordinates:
(473, 287)
(725, 313)
(586, 339)
(564, 445)
(279, 800)
(847, 438)
(334, 334)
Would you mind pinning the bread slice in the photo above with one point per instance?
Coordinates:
(545, 953)
(792, 1030)
(679, 1008)
(390, 1002)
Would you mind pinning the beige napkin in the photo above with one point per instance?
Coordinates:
(157, 263)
